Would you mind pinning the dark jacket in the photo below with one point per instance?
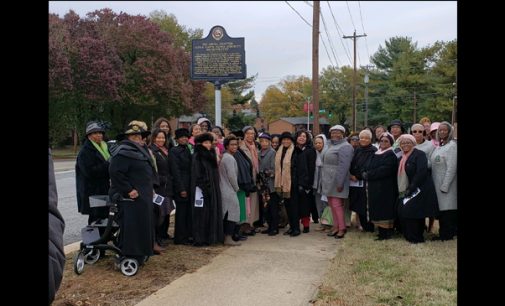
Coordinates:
(165, 177)
(132, 167)
(245, 172)
(180, 159)
(425, 204)
(358, 201)
(382, 187)
(305, 166)
(56, 228)
(91, 177)
(208, 219)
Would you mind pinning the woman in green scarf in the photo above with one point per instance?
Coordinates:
(92, 172)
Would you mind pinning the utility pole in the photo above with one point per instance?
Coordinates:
(315, 67)
(415, 110)
(366, 93)
(354, 36)
(454, 103)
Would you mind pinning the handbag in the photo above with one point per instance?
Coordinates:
(327, 217)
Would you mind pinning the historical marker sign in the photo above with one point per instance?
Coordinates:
(218, 57)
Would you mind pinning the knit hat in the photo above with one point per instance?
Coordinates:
(199, 121)
(182, 132)
(337, 127)
(407, 137)
(389, 136)
(93, 127)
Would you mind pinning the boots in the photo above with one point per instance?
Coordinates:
(229, 241)
(384, 233)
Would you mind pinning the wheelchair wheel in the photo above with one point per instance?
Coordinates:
(129, 266)
(79, 263)
(92, 256)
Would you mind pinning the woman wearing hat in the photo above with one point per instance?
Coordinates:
(181, 167)
(133, 176)
(285, 183)
(335, 177)
(207, 211)
(267, 170)
(92, 172)
(380, 176)
(415, 187)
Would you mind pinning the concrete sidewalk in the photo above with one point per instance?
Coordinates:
(264, 270)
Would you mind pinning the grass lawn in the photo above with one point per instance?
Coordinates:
(390, 272)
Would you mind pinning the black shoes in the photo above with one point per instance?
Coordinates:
(273, 233)
(306, 229)
(288, 232)
(265, 231)
(295, 233)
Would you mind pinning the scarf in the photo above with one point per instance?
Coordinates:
(102, 148)
(254, 153)
(380, 151)
(403, 180)
(282, 182)
(163, 148)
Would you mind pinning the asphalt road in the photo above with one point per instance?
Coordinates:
(67, 204)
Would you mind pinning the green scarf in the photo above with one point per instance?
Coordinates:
(102, 148)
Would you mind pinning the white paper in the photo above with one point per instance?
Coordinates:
(324, 198)
(358, 183)
(198, 197)
(406, 199)
(157, 199)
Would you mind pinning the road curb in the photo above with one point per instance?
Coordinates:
(71, 247)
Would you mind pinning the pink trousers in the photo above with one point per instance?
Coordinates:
(337, 211)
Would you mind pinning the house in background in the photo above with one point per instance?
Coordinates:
(294, 124)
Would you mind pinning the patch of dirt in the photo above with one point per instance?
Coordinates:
(101, 284)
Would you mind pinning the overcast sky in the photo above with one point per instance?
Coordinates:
(278, 42)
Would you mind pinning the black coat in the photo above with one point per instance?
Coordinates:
(207, 220)
(382, 186)
(357, 195)
(425, 204)
(131, 167)
(91, 177)
(165, 177)
(245, 172)
(56, 228)
(180, 159)
(305, 166)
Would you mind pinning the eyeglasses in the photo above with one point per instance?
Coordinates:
(417, 131)
(355, 138)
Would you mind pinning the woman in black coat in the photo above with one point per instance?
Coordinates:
(305, 169)
(382, 189)
(357, 191)
(207, 215)
(92, 172)
(180, 158)
(165, 188)
(414, 182)
(132, 173)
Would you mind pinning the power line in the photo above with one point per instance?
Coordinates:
(349, 10)
(324, 45)
(363, 26)
(329, 41)
(299, 14)
(340, 34)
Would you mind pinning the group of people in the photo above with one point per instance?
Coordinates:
(225, 188)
